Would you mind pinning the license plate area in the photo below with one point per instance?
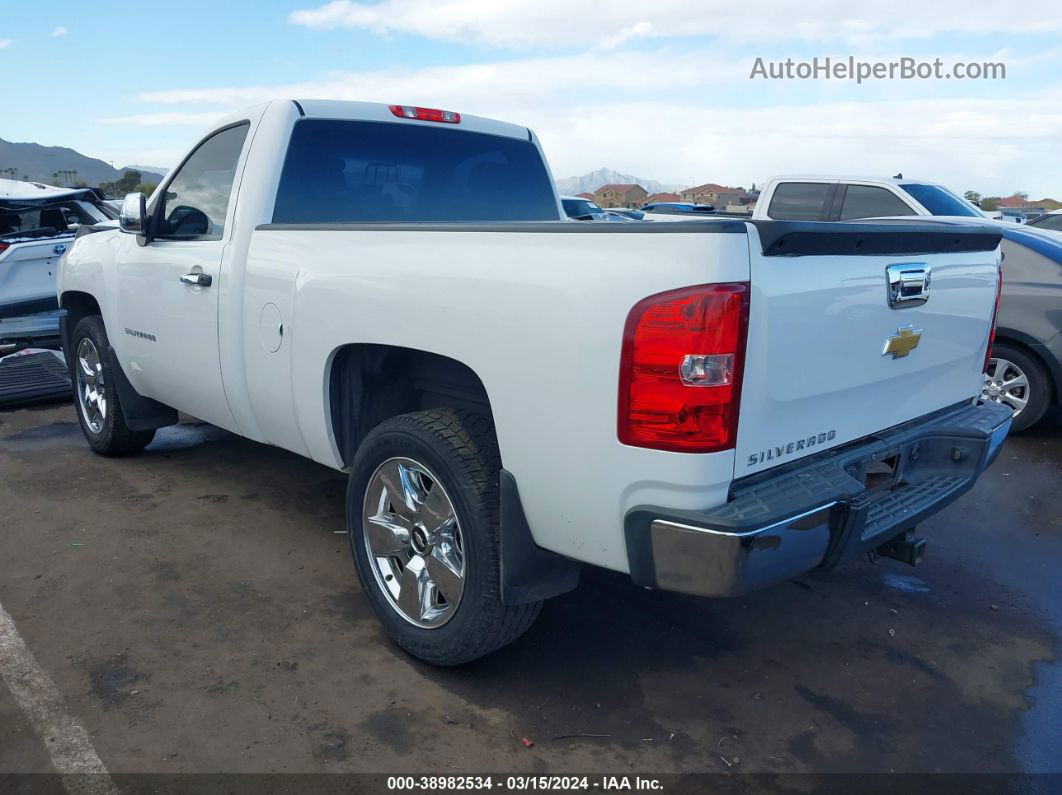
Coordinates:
(884, 470)
(904, 479)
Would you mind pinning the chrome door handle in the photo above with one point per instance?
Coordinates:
(197, 279)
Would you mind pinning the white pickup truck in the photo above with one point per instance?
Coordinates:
(841, 198)
(711, 407)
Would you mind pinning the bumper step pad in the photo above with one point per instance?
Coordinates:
(30, 378)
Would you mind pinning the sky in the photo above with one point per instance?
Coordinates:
(658, 89)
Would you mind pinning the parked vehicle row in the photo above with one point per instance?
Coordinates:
(37, 224)
(834, 198)
(515, 395)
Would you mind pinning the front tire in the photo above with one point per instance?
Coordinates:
(423, 521)
(99, 411)
(1016, 379)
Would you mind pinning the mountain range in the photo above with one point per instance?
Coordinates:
(39, 163)
(588, 183)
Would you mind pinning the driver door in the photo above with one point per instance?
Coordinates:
(168, 289)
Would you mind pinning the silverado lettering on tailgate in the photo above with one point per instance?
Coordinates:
(790, 447)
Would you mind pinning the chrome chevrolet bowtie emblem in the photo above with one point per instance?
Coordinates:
(902, 342)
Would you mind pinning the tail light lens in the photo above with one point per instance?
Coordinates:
(681, 369)
(995, 316)
(4, 246)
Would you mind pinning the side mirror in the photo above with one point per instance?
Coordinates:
(133, 217)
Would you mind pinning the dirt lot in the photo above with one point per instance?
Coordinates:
(198, 611)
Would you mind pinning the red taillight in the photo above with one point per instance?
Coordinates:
(425, 114)
(681, 368)
(4, 246)
(995, 315)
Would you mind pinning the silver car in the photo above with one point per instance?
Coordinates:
(1025, 371)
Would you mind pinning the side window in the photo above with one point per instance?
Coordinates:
(866, 201)
(196, 200)
(800, 201)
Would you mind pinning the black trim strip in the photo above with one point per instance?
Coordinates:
(573, 227)
(297, 105)
(801, 238)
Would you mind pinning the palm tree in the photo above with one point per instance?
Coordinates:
(55, 176)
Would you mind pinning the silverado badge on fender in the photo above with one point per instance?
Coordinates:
(902, 342)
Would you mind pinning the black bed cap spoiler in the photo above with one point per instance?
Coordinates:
(804, 238)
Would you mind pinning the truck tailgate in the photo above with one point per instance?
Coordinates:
(834, 356)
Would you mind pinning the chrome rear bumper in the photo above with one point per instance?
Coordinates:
(817, 512)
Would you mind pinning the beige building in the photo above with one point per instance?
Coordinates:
(711, 193)
(620, 196)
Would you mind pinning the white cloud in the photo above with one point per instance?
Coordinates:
(663, 120)
(59, 31)
(525, 23)
(639, 30)
(6, 43)
(168, 119)
(480, 87)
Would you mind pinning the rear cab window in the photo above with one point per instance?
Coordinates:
(867, 201)
(800, 201)
(340, 171)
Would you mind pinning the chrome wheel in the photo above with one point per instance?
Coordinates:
(91, 390)
(413, 540)
(1006, 383)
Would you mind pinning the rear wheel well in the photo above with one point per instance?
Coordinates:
(371, 383)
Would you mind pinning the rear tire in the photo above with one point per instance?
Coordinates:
(99, 411)
(1017, 364)
(424, 523)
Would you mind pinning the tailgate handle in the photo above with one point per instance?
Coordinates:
(908, 284)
